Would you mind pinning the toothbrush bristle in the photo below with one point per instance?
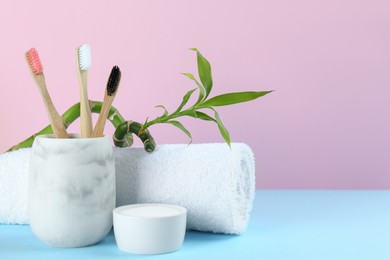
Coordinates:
(113, 81)
(34, 61)
(85, 57)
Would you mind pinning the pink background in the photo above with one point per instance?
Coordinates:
(326, 126)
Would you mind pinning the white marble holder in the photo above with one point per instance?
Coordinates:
(71, 190)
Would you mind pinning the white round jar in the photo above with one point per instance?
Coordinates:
(150, 228)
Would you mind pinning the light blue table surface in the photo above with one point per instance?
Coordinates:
(285, 224)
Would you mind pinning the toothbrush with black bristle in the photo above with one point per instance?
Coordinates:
(83, 65)
(112, 88)
(36, 68)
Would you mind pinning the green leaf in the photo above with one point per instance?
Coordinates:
(204, 71)
(165, 110)
(197, 114)
(233, 98)
(181, 127)
(222, 129)
(185, 99)
(204, 116)
(202, 91)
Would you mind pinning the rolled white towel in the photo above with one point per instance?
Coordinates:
(13, 186)
(215, 183)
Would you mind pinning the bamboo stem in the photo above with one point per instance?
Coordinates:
(74, 112)
(136, 128)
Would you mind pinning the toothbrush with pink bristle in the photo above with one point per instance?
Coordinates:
(83, 65)
(36, 68)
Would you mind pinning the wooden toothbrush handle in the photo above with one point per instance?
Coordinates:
(56, 121)
(85, 110)
(99, 127)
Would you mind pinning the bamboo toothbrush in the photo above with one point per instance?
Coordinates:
(36, 68)
(112, 87)
(83, 65)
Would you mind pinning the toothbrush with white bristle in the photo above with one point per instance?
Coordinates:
(83, 65)
(36, 68)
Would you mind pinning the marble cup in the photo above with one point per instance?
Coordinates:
(71, 190)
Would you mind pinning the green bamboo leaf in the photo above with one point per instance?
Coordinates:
(232, 98)
(204, 116)
(204, 71)
(222, 129)
(202, 90)
(185, 99)
(191, 113)
(181, 127)
(197, 114)
(165, 110)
